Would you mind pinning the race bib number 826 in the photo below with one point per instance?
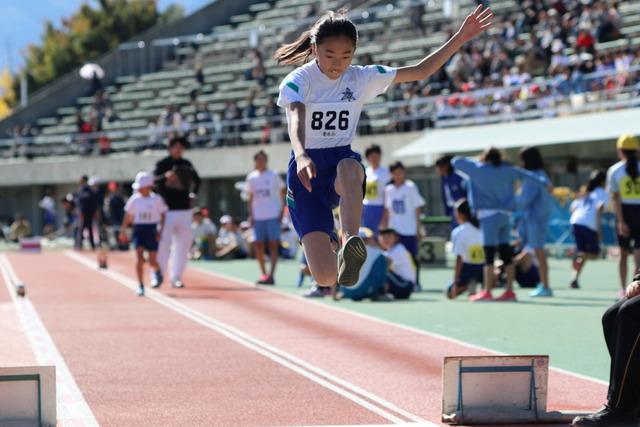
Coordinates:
(333, 120)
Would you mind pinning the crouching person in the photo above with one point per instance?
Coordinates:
(401, 275)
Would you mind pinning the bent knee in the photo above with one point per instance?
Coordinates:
(350, 169)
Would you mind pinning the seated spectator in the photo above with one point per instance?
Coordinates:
(289, 242)
(204, 235)
(199, 74)
(229, 243)
(373, 275)
(20, 228)
(82, 139)
(527, 274)
(402, 270)
(231, 123)
(204, 122)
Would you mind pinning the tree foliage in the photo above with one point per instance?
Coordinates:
(7, 93)
(96, 28)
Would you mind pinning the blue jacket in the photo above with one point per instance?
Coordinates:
(534, 200)
(453, 189)
(494, 187)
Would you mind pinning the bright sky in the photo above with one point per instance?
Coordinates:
(23, 22)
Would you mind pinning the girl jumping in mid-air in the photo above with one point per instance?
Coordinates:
(323, 100)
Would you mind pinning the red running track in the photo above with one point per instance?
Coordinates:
(161, 364)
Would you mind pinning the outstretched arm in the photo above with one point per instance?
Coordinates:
(474, 24)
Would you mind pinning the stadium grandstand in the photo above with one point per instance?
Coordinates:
(568, 67)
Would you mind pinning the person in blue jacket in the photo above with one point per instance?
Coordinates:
(453, 186)
(535, 203)
(492, 196)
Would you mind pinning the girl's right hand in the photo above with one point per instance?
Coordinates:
(306, 170)
(122, 237)
(623, 229)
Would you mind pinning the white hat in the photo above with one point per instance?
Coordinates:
(143, 179)
(226, 219)
(94, 180)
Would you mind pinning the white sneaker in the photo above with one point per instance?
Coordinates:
(177, 284)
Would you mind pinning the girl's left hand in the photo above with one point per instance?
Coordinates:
(633, 290)
(476, 23)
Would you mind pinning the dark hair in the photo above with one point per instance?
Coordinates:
(331, 24)
(396, 165)
(492, 155)
(372, 149)
(597, 178)
(631, 163)
(531, 158)
(260, 153)
(445, 161)
(179, 140)
(84, 178)
(463, 208)
(383, 231)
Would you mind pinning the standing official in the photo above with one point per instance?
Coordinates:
(87, 204)
(621, 325)
(176, 180)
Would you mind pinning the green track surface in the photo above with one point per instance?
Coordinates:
(567, 327)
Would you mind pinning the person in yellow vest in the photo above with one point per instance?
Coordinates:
(468, 247)
(623, 182)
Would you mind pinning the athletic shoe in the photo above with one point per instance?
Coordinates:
(507, 296)
(141, 291)
(103, 265)
(481, 296)
(350, 260)
(541, 291)
(266, 280)
(574, 284)
(157, 279)
(317, 292)
(607, 416)
(177, 284)
(386, 297)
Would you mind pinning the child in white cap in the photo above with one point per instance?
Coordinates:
(146, 211)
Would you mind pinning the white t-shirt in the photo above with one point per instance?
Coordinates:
(402, 203)
(618, 181)
(468, 242)
(202, 230)
(401, 262)
(48, 204)
(377, 179)
(265, 189)
(584, 211)
(145, 210)
(332, 107)
(601, 195)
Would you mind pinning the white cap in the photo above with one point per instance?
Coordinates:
(94, 180)
(143, 179)
(226, 219)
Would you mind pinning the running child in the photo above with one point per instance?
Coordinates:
(323, 99)
(492, 196)
(623, 181)
(468, 248)
(586, 216)
(146, 211)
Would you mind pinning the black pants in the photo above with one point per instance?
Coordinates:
(621, 325)
(86, 223)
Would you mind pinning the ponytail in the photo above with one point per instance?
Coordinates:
(463, 208)
(296, 52)
(631, 163)
(596, 179)
(331, 24)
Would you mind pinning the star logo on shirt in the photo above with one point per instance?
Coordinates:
(347, 95)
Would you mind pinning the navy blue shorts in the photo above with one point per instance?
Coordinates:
(528, 279)
(586, 239)
(146, 236)
(312, 211)
(471, 273)
(631, 215)
(371, 217)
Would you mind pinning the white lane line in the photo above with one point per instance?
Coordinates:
(71, 406)
(342, 387)
(382, 321)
